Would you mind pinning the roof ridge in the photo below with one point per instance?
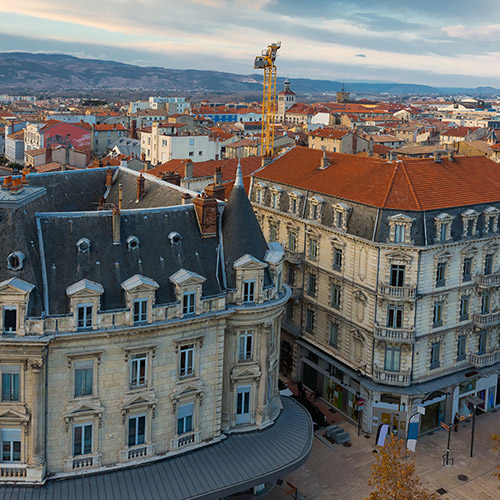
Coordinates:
(389, 187)
(407, 175)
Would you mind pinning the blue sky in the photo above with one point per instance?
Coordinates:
(438, 42)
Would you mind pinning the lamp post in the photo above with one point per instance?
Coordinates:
(475, 402)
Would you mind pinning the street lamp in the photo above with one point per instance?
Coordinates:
(475, 402)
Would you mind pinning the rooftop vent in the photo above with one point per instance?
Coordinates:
(83, 245)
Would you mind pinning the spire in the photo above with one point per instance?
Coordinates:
(239, 177)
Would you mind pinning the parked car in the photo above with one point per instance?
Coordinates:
(319, 420)
(284, 390)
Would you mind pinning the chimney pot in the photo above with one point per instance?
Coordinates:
(140, 187)
(324, 161)
(116, 225)
(7, 182)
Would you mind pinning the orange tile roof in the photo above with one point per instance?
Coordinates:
(331, 133)
(109, 126)
(411, 184)
(460, 131)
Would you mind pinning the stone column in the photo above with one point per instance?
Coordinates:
(37, 458)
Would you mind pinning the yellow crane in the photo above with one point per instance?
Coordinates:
(266, 62)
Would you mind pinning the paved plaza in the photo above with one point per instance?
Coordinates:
(338, 472)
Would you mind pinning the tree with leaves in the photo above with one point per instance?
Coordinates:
(394, 476)
(496, 447)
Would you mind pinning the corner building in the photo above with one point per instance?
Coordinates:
(139, 321)
(394, 269)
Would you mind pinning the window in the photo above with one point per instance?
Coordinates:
(291, 275)
(314, 211)
(11, 445)
(334, 335)
(138, 370)
(485, 303)
(84, 316)
(399, 233)
(273, 232)
(461, 347)
(309, 320)
(435, 354)
(84, 378)
(185, 418)
(483, 336)
(293, 205)
(467, 271)
(311, 284)
(438, 314)
(186, 360)
(392, 362)
(188, 303)
(488, 264)
(339, 219)
(337, 259)
(313, 249)
(464, 308)
(191, 142)
(10, 383)
(82, 439)
(443, 233)
(292, 241)
(441, 274)
(191, 153)
(136, 430)
(335, 296)
(249, 291)
(275, 200)
(9, 319)
(245, 346)
(470, 227)
(289, 310)
(397, 275)
(140, 311)
(394, 317)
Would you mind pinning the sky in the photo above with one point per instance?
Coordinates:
(433, 42)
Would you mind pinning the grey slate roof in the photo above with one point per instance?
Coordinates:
(237, 463)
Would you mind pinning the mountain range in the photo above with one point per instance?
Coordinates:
(24, 71)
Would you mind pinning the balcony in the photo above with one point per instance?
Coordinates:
(395, 334)
(398, 292)
(485, 320)
(80, 462)
(136, 452)
(487, 280)
(293, 256)
(296, 292)
(12, 472)
(392, 378)
(486, 359)
(184, 440)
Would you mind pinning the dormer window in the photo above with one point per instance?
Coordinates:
(140, 311)
(9, 319)
(276, 197)
(490, 220)
(249, 291)
(341, 212)
(15, 261)
(469, 221)
(84, 316)
(443, 227)
(400, 227)
(294, 206)
(188, 287)
(189, 303)
(83, 245)
(316, 208)
(133, 243)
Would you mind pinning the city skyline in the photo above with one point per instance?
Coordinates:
(445, 44)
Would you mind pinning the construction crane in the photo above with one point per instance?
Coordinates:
(266, 62)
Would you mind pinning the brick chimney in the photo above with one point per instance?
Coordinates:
(133, 129)
(172, 177)
(116, 225)
(109, 177)
(217, 191)
(218, 175)
(206, 213)
(186, 199)
(25, 172)
(120, 195)
(140, 187)
(7, 182)
(16, 185)
(325, 162)
(48, 155)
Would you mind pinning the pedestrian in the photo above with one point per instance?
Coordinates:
(456, 421)
(300, 388)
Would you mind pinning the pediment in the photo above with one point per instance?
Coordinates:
(16, 286)
(402, 218)
(444, 255)
(140, 399)
(84, 287)
(247, 261)
(246, 371)
(184, 277)
(469, 249)
(399, 256)
(83, 408)
(9, 414)
(137, 282)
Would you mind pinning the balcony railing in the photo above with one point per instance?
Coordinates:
(488, 279)
(293, 256)
(296, 292)
(185, 440)
(393, 378)
(136, 452)
(86, 461)
(398, 292)
(490, 319)
(480, 360)
(394, 334)
(12, 471)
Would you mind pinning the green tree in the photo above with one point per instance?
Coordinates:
(394, 476)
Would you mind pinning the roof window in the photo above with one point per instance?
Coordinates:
(83, 245)
(133, 242)
(15, 261)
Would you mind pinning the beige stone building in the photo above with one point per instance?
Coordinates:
(139, 321)
(394, 269)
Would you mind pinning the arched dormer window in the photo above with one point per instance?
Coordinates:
(260, 192)
(276, 197)
(316, 204)
(341, 216)
(400, 226)
(294, 202)
(490, 215)
(443, 227)
(469, 221)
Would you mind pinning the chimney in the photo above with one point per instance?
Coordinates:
(116, 225)
(450, 156)
(63, 167)
(370, 147)
(324, 161)
(7, 182)
(101, 203)
(120, 195)
(143, 157)
(16, 185)
(26, 171)
(133, 129)
(48, 155)
(109, 177)
(393, 156)
(218, 175)
(186, 199)
(217, 191)
(140, 187)
(266, 160)
(206, 213)
(437, 156)
(172, 177)
(188, 169)
(123, 163)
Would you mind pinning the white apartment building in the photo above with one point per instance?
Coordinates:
(173, 105)
(394, 269)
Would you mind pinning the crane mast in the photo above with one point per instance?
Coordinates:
(267, 62)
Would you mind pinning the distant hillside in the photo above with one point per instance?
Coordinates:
(57, 72)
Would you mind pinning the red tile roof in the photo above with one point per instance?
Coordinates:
(411, 184)
(460, 131)
(102, 127)
(331, 133)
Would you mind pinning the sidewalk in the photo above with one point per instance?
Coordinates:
(339, 472)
